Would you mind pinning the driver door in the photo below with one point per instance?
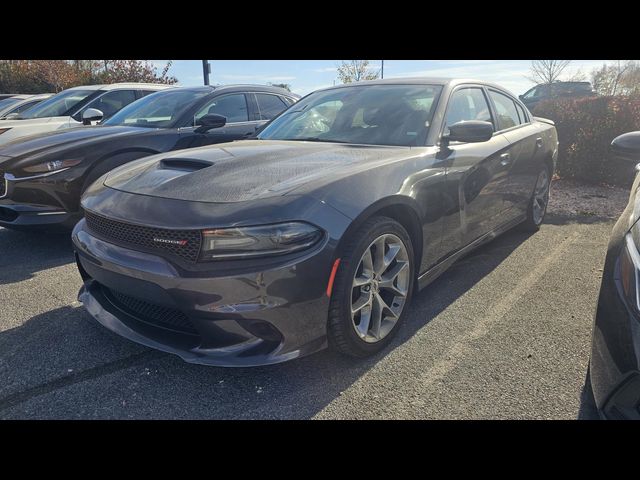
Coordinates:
(476, 172)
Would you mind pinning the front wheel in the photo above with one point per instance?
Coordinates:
(538, 202)
(372, 288)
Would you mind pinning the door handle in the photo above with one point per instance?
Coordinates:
(505, 159)
(539, 142)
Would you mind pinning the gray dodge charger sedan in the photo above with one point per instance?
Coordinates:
(318, 231)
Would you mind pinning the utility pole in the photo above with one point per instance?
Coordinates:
(206, 70)
(382, 71)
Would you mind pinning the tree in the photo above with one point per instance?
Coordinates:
(134, 71)
(286, 86)
(356, 71)
(547, 71)
(621, 78)
(42, 76)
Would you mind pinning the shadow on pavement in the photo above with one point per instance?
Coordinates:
(25, 253)
(62, 364)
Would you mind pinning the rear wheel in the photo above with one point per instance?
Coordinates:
(538, 202)
(372, 288)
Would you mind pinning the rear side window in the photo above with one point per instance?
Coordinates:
(112, 102)
(467, 104)
(506, 110)
(269, 106)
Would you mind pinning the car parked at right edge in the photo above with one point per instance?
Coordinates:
(614, 366)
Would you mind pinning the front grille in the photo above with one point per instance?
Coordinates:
(147, 237)
(3, 185)
(156, 315)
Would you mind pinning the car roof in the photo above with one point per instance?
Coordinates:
(240, 86)
(21, 96)
(443, 81)
(118, 86)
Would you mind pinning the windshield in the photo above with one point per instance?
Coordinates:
(158, 110)
(7, 102)
(57, 105)
(365, 114)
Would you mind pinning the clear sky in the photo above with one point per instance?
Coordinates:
(304, 76)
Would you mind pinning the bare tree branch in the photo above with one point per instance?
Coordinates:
(547, 71)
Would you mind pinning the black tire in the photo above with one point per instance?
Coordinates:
(341, 332)
(530, 224)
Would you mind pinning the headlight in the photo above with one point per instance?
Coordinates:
(248, 242)
(2, 130)
(52, 166)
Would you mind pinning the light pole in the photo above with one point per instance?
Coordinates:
(382, 70)
(206, 70)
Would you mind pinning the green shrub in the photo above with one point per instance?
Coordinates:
(586, 127)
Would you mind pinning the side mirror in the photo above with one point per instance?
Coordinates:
(91, 115)
(472, 131)
(627, 146)
(210, 121)
(11, 116)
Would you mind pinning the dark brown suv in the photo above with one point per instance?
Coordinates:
(556, 90)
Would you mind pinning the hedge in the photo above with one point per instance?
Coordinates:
(586, 127)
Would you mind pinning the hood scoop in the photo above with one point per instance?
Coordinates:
(185, 164)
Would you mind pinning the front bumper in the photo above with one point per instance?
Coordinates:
(236, 318)
(40, 201)
(28, 216)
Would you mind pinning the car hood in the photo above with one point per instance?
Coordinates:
(51, 142)
(247, 170)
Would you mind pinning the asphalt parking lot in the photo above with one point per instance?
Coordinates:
(504, 334)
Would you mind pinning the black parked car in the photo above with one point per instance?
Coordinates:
(317, 233)
(43, 176)
(614, 368)
(547, 91)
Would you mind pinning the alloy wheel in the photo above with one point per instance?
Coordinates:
(541, 197)
(380, 287)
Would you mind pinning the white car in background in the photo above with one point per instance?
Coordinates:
(74, 107)
(16, 104)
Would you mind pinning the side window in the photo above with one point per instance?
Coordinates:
(522, 114)
(233, 107)
(467, 104)
(144, 93)
(534, 92)
(505, 109)
(112, 102)
(543, 91)
(269, 105)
